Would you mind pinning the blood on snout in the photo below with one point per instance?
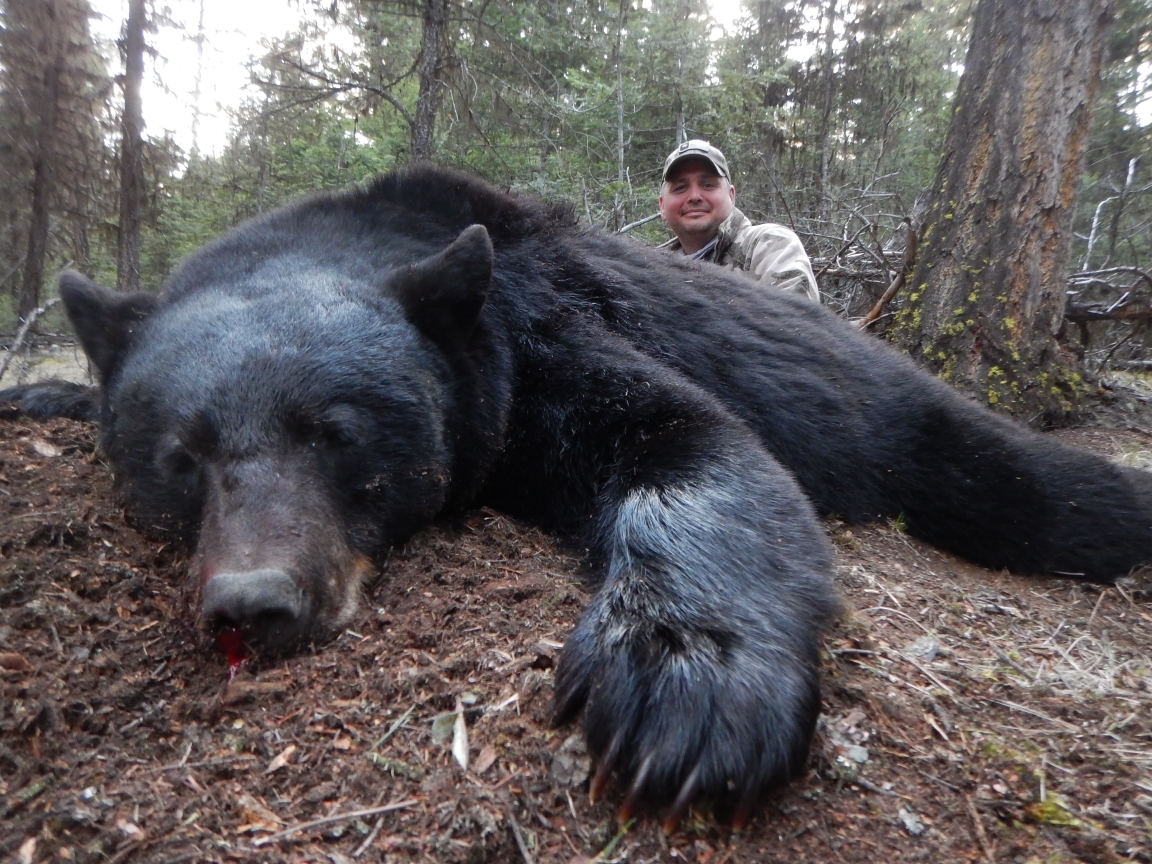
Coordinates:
(230, 641)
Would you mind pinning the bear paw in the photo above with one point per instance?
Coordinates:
(684, 713)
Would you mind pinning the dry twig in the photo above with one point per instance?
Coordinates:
(18, 342)
(338, 817)
(981, 837)
(518, 833)
(897, 283)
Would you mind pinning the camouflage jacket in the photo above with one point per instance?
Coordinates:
(768, 253)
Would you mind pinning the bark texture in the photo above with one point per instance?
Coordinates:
(131, 152)
(430, 65)
(986, 307)
(44, 162)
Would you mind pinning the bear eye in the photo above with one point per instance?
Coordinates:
(335, 427)
(177, 461)
(333, 434)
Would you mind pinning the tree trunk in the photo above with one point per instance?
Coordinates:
(986, 307)
(131, 153)
(618, 215)
(824, 204)
(431, 63)
(1118, 213)
(194, 153)
(44, 165)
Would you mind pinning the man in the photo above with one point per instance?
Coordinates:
(698, 201)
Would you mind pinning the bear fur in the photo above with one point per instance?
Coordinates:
(323, 380)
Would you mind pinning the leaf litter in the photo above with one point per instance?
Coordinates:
(968, 715)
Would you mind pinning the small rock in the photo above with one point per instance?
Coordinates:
(437, 782)
(443, 726)
(852, 752)
(323, 792)
(43, 448)
(911, 821)
(78, 815)
(128, 829)
(571, 764)
(851, 719)
(925, 648)
(254, 812)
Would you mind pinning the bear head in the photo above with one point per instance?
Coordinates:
(289, 421)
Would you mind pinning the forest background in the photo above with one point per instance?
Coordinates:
(833, 114)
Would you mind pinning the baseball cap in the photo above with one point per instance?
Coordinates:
(697, 148)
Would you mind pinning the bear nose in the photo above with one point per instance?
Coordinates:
(264, 600)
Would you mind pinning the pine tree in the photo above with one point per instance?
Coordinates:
(53, 98)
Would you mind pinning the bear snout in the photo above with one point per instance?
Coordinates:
(266, 605)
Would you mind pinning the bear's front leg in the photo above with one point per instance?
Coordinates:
(696, 664)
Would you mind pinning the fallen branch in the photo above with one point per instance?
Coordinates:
(338, 817)
(33, 316)
(1090, 313)
(823, 270)
(638, 223)
(1111, 271)
(207, 763)
(392, 729)
(372, 835)
(897, 283)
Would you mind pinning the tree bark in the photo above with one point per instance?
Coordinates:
(131, 153)
(44, 162)
(194, 153)
(987, 302)
(824, 204)
(431, 63)
(618, 215)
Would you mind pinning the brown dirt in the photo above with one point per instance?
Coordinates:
(968, 715)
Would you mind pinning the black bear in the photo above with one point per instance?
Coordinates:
(321, 381)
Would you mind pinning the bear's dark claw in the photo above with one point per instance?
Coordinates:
(604, 768)
(636, 791)
(683, 801)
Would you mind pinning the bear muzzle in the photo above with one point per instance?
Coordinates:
(273, 562)
(266, 605)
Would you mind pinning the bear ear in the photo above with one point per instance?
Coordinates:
(104, 321)
(443, 294)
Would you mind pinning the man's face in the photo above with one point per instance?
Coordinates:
(694, 200)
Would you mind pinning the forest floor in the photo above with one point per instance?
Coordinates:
(969, 715)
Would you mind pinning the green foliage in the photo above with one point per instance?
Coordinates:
(581, 100)
(828, 131)
(56, 180)
(8, 320)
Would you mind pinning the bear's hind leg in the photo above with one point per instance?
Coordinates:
(1002, 496)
